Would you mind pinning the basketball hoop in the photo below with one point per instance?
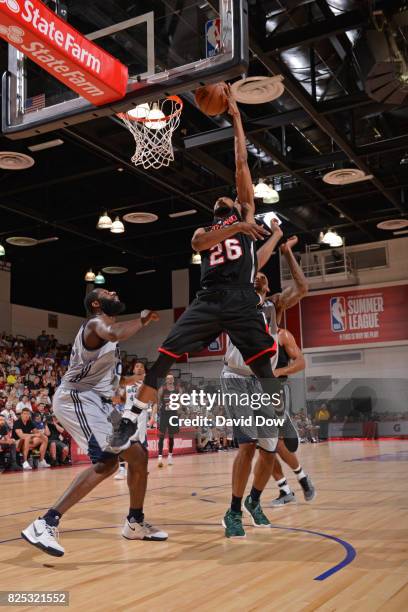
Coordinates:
(152, 127)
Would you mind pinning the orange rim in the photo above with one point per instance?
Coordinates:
(166, 118)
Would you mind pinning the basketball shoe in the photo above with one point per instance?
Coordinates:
(142, 531)
(232, 522)
(256, 513)
(43, 536)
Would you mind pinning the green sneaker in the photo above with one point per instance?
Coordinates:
(258, 517)
(232, 522)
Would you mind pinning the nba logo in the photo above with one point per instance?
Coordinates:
(338, 314)
(213, 37)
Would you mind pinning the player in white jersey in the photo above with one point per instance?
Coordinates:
(83, 405)
(129, 386)
(237, 378)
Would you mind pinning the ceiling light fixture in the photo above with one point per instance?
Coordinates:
(117, 227)
(196, 259)
(105, 222)
(266, 192)
(90, 276)
(183, 213)
(331, 238)
(2, 250)
(99, 279)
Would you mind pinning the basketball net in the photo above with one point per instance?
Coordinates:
(152, 127)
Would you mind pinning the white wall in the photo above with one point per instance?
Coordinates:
(30, 322)
(382, 375)
(397, 268)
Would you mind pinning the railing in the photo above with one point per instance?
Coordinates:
(322, 267)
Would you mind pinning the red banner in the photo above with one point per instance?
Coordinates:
(361, 316)
(184, 444)
(67, 55)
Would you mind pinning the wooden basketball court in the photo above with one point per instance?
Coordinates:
(347, 550)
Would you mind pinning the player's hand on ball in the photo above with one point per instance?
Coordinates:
(232, 103)
(256, 232)
(289, 244)
(147, 316)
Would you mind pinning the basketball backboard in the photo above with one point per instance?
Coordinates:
(169, 46)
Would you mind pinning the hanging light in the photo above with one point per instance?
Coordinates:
(2, 250)
(99, 279)
(90, 276)
(117, 226)
(268, 194)
(140, 111)
(105, 222)
(196, 259)
(332, 239)
(156, 113)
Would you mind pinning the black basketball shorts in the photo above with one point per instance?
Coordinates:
(230, 310)
(165, 426)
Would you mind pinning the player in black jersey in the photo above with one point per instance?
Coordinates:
(165, 413)
(227, 300)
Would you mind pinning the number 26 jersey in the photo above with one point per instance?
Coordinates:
(232, 261)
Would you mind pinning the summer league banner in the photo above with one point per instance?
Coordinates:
(358, 316)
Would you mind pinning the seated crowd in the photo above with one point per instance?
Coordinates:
(30, 371)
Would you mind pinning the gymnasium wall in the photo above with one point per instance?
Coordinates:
(30, 322)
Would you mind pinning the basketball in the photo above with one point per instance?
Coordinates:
(211, 99)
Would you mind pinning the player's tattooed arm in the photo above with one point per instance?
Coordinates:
(119, 331)
(268, 248)
(293, 294)
(297, 361)
(243, 177)
(204, 239)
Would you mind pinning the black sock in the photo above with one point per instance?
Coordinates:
(135, 515)
(236, 503)
(52, 517)
(255, 495)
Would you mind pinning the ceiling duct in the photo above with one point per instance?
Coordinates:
(346, 176)
(383, 58)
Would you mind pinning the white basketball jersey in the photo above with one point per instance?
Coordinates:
(131, 393)
(234, 359)
(99, 369)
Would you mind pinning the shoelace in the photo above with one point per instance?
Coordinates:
(52, 531)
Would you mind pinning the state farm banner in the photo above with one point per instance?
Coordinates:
(58, 48)
(360, 316)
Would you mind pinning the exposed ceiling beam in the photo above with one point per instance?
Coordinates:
(305, 35)
(295, 89)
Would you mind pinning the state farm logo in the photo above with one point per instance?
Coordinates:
(12, 5)
(13, 33)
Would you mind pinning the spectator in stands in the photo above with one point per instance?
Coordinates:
(42, 342)
(28, 438)
(23, 403)
(322, 418)
(57, 448)
(11, 378)
(10, 416)
(8, 444)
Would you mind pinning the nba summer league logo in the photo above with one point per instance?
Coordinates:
(338, 314)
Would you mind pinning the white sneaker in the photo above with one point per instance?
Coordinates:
(27, 466)
(142, 531)
(43, 464)
(160, 461)
(43, 536)
(170, 460)
(121, 474)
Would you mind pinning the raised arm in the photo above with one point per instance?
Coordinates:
(204, 239)
(116, 332)
(293, 294)
(297, 361)
(267, 249)
(243, 177)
